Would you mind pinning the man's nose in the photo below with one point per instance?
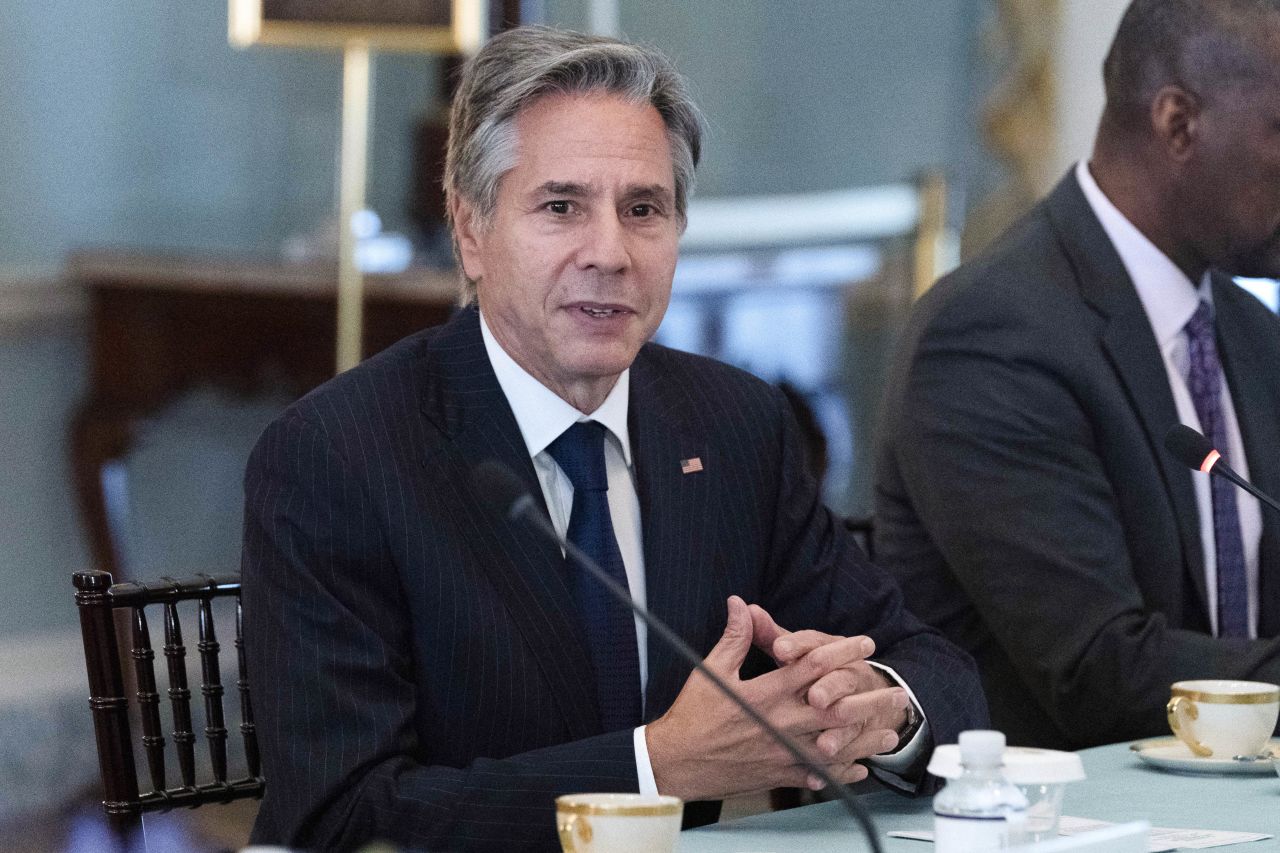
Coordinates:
(604, 246)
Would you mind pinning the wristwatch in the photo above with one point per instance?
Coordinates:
(910, 727)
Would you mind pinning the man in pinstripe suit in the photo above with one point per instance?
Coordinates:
(422, 672)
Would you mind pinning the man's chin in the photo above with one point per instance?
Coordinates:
(601, 355)
(603, 368)
(600, 364)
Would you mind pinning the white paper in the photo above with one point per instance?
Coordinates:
(912, 835)
(1160, 839)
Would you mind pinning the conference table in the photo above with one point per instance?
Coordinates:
(1119, 788)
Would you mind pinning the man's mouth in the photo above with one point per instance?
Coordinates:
(601, 311)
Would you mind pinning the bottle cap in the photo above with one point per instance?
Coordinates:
(981, 747)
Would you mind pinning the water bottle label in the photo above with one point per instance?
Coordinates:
(968, 834)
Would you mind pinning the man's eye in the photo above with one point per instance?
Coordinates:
(642, 210)
(560, 208)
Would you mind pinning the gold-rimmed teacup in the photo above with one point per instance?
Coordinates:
(1224, 718)
(618, 823)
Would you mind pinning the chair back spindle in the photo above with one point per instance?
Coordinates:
(148, 698)
(179, 693)
(215, 730)
(248, 731)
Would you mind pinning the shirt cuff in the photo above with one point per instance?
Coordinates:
(644, 769)
(905, 755)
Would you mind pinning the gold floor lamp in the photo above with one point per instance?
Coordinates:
(357, 28)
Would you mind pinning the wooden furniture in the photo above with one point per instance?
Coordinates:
(161, 326)
(98, 598)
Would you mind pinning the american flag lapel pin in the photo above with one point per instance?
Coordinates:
(690, 466)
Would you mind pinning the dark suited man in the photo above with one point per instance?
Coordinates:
(1023, 494)
(427, 674)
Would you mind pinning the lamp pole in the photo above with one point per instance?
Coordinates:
(356, 79)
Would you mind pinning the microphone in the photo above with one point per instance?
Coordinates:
(507, 496)
(1195, 451)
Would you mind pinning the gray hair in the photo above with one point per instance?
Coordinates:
(517, 67)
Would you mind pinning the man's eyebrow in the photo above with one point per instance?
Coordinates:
(573, 189)
(569, 188)
(658, 191)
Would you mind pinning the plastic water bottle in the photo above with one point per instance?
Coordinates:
(980, 809)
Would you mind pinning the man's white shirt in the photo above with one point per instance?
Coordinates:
(542, 416)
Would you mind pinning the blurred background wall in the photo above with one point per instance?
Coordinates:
(131, 123)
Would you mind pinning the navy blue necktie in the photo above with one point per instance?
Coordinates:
(1205, 382)
(610, 627)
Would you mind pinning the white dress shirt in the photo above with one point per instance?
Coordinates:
(542, 416)
(1169, 299)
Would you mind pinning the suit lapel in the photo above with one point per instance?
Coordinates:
(1250, 355)
(679, 525)
(463, 400)
(1131, 346)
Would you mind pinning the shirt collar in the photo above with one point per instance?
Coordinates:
(541, 414)
(1168, 296)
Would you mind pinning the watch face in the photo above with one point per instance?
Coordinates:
(912, 723)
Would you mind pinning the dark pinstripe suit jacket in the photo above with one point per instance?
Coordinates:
(417, 668)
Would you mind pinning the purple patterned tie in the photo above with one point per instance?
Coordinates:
(1205, 381)
(610, 627)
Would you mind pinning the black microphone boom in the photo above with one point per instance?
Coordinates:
(496, 484)
(1195, 451)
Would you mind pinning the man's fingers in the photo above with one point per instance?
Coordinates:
(845, 681)
(730, 651)
(796, 644)
(826, 658)
(886, 706)
(863, 722)
(765, 632)
(869, 742)
(845, 772)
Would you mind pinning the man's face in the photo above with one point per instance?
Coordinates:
(574, 267)
(1232, 186)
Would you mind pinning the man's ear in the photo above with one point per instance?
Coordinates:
(1175, 121)
(469, 235)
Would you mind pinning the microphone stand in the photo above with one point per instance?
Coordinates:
(524, 508)
(1222, 470)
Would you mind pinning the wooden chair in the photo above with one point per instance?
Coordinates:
(98, 598)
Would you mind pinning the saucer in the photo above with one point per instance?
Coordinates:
(1172, 754)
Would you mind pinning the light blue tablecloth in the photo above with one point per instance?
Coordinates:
(1119, 788)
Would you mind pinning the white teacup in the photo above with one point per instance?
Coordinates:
(1222, 718)
(618, 823)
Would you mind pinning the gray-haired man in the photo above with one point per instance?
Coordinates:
(427, 675)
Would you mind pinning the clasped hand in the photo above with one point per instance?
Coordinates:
(823, 694)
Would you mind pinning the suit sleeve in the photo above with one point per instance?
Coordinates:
(1001, 462)
(329, 654)
(820, 578)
